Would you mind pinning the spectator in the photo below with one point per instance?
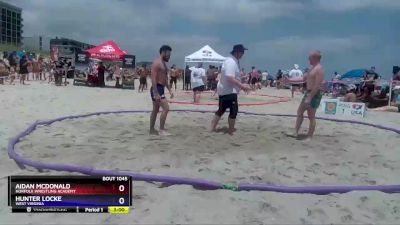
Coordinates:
(23, 69)
(279, 77)
(336, 76)
(188, 84)
(296, 74)
(100, 74)
(264, 79)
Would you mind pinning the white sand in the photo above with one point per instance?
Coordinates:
(340, 154)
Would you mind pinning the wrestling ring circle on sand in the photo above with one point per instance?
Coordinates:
(196, 183)
(212, 102)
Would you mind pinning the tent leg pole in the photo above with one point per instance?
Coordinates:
(184, 82)
(390, 92)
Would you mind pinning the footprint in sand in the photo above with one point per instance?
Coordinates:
(236, 145)
(166, 165)
(139, 196)
(378, 214)
(202, 161)
(48, 155)
(256, 178)
(362, 166)
(284, 175)
(316, 166)
(227, 170)
(330, 173)
(376, 156)
(266, 207)
(204, 170)
(124, 132)
(301, 181)
(67, 145)
(371, 182)
(304, 221)
(396, 210)
(293, 169)
(387, 166)
(347, 216)
(147, 169)
(318, 214)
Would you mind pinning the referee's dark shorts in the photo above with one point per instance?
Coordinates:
(228, 101)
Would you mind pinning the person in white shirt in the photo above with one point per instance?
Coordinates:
(228, 89)
(337, 76)
(264, 76)
(198, 79)
(296, 74)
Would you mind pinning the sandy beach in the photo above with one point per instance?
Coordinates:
(259, 152)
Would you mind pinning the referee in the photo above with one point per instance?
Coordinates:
(229, 87)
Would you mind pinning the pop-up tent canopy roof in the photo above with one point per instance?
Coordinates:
(206, 54)
(107, 51)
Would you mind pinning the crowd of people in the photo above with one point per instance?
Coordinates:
(27, 68)
(371, 89)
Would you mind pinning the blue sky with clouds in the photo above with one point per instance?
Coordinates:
(350, 33)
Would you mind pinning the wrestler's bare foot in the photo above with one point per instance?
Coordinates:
(307, 139)
(164, 133)
(153, 132)
(231, 132)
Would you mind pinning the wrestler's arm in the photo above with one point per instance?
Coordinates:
(169, 87)
(154, 72)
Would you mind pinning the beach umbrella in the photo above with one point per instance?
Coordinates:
(20, 54)
(357, 74)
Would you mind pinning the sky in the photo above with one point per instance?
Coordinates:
(350, 34)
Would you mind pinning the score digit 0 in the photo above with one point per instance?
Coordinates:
(121, 201)
(121, 188)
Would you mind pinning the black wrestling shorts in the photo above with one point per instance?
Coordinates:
(228, 101)
(160, 90)
(199, 88)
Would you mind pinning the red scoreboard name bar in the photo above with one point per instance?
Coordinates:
(69, 191)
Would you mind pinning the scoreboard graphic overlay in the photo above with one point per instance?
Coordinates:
(70, 194)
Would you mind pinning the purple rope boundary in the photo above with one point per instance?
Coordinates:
(196, 183)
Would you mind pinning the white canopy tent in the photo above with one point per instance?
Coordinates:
(205, 55)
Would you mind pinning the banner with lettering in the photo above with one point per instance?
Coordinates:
(81, 57)
(351, 109)
(129, 61)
